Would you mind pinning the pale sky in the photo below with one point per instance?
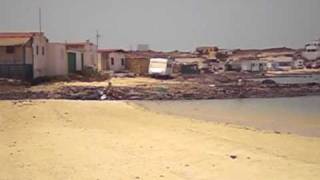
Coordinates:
(169, 24)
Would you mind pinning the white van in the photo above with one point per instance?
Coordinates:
(161, 67)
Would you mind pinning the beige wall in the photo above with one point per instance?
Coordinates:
(29, 55)
(99, 62)
(104, 60)
(15, 58)
(57, 62)
(117, 59)
(139, 66)
(18, 56)
(91, 56)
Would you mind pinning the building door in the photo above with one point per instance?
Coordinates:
(71, 62)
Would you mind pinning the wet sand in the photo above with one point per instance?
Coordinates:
(297, 115)
(116, 140)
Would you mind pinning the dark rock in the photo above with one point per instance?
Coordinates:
(269, 82)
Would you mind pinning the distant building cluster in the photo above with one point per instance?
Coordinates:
(29, 55)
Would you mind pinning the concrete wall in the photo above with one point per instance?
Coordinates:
(57, 60)
(138, 66)
(29, 54)
(99, 63)
(104, 64)
(79, 64)
(91, 56)
(39, 56)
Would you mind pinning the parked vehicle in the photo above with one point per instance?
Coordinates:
(298, 64)
(316, 65)
(161, 67)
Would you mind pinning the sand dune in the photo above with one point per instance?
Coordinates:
(116, 140)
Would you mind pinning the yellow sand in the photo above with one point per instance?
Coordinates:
(115, 140)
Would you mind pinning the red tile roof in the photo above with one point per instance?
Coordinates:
(14, 41)
(110, 50)
(16, 38)
(19, 34)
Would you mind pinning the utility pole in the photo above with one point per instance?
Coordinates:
(40, 21)
(98, 60)
(98, 36)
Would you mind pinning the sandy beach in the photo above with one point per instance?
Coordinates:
(60, 139)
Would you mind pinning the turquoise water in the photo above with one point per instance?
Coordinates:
(298, 115)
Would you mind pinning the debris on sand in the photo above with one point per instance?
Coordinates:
(190, 88)
(233, 156)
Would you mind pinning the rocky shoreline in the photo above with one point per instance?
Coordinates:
(182, 92)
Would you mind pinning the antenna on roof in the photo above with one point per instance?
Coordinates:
(40, 23)
(98, 36)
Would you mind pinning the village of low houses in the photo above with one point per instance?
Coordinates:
(33, 67)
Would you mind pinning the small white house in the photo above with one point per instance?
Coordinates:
(23, 55)
(111, 60)
(253, 65)
(247, 65)
(80, 55)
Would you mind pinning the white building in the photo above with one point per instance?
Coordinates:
(111, 60)
(253, 65)
(81, 55)
(23, 54)
(312, 50)
(279, 63)
(247, 65)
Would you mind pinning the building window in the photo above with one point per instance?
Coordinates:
(37, 50)
(112, 61)
(10, 49)
(43, 51)
(122, 62)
